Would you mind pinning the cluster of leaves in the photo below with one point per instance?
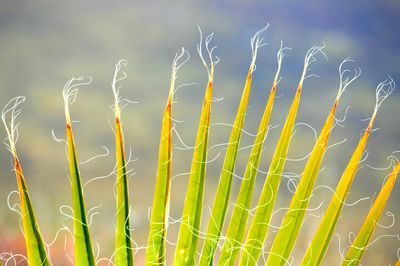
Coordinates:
(237, 246)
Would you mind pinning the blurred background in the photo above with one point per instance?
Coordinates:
(45, 43)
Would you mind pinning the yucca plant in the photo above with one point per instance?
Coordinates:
(218, 247)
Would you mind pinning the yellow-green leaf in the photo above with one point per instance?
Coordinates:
(224, 187)
(319, 244)
(185, 253)
(123, 241)
(360, 244)
(289, 229)
(35, 248)
(82, 243)
(259, 225)
(155, 252)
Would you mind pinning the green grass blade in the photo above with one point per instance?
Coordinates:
(35, 248)
(123, 242)
(259, 225)
(186, 249)
(360, 244)
(82, 244)
(319, 244)
(155, 252)
(224, 187)
(287, 235)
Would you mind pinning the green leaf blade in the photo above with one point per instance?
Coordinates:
(123, 255)
(223, 191)
(321, 240)
(35, 248)
(185, 253)
(291, 224)
(222, 195)
(155, 252)
(82, 243)
(123, 242)
(260, 223)
(258, 227)
(286, 236)
(359, 245)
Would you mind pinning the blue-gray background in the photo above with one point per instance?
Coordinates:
(44, 43)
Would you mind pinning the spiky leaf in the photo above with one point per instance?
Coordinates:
(185, 252)
(123, 242)
(360, 243)
(225, 182)
(319, 244)
(82, 243)
(289, 229)
(259, 225)
(35, 248)
(155, 252)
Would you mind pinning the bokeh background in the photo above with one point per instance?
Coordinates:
(44, 43)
